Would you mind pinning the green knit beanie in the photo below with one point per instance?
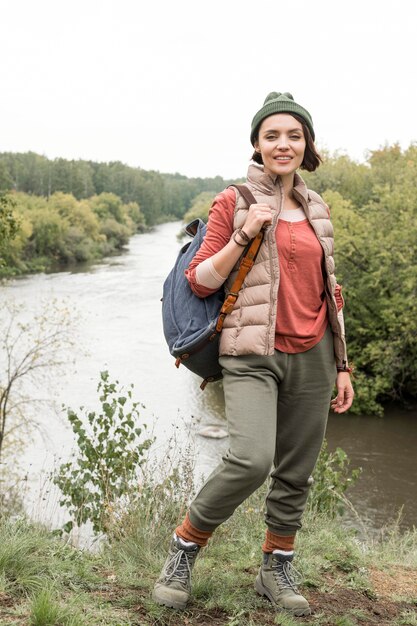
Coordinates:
(277, 102)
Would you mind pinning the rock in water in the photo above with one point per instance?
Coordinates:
(213, 432)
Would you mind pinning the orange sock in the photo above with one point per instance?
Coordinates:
(188, 532)
(278, 542)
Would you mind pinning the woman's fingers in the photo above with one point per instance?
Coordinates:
(259, 215)
(345, 393)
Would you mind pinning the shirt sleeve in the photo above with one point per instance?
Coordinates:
(338, 297)
(219, 231)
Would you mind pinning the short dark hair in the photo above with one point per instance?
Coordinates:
(311, 160)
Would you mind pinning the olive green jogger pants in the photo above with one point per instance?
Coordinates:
(277, 408)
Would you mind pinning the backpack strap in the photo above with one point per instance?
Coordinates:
(246, 263)
(246, 194)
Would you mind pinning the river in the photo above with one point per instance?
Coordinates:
(119, 329)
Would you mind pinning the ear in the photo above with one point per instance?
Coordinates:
(256, 146)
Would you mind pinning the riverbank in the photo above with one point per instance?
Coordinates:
(46, 582)
(61, 232)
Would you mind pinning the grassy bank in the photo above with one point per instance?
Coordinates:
(46, 582)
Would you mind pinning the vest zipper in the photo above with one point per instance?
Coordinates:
(274, 279)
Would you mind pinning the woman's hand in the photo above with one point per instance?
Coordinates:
(345, 393)
(259, 215)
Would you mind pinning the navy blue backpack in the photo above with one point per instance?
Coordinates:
(192, 325)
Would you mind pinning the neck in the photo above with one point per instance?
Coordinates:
(288, 184)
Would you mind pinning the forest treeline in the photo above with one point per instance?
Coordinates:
(161, 197)
(76, 210)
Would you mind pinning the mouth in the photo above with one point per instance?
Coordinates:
(282, 159)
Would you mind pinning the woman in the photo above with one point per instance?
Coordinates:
(281, 350)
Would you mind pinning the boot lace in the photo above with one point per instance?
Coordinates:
(286, 575)
(179, 566)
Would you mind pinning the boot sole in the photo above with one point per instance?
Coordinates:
(263, 591)
(171, 604)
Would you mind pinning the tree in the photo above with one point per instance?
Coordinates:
(6, 181)
(376, 256)
(200, 207)
(108, 205)
(29, 349)
(8, 225)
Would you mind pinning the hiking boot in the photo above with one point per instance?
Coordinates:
(276, 581)
(173, 586)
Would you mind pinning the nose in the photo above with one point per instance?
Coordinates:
(282, 143)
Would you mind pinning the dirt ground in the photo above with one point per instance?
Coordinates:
(383, 605)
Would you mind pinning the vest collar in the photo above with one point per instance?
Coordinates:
(270, 185)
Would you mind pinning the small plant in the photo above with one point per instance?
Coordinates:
(408, 618)
(47, 610)
(332, 477)
(110, 454)
(344, 620)
(23, 566)
(282, 619)
(235, 620)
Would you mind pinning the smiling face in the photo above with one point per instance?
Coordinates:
(282, 144)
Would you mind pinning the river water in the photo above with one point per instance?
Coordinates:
(119, 329)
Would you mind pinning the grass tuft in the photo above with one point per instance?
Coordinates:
(22, 562)
(408, 618)
(286, 620)
(45, 610)
(344, 620)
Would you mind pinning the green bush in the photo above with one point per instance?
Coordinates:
(110, 453)
(117, 235)
(332, 476)
(200, 207)
(8, 226)
(50, 233)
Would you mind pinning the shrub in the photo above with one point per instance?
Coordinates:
(332, 477)
(110, 454)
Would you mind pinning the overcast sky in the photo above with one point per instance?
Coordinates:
(173, 85)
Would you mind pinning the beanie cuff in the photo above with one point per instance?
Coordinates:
(281, 106)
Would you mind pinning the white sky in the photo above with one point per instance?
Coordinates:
(173, 85)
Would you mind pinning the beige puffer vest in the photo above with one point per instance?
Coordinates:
(250, 328)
